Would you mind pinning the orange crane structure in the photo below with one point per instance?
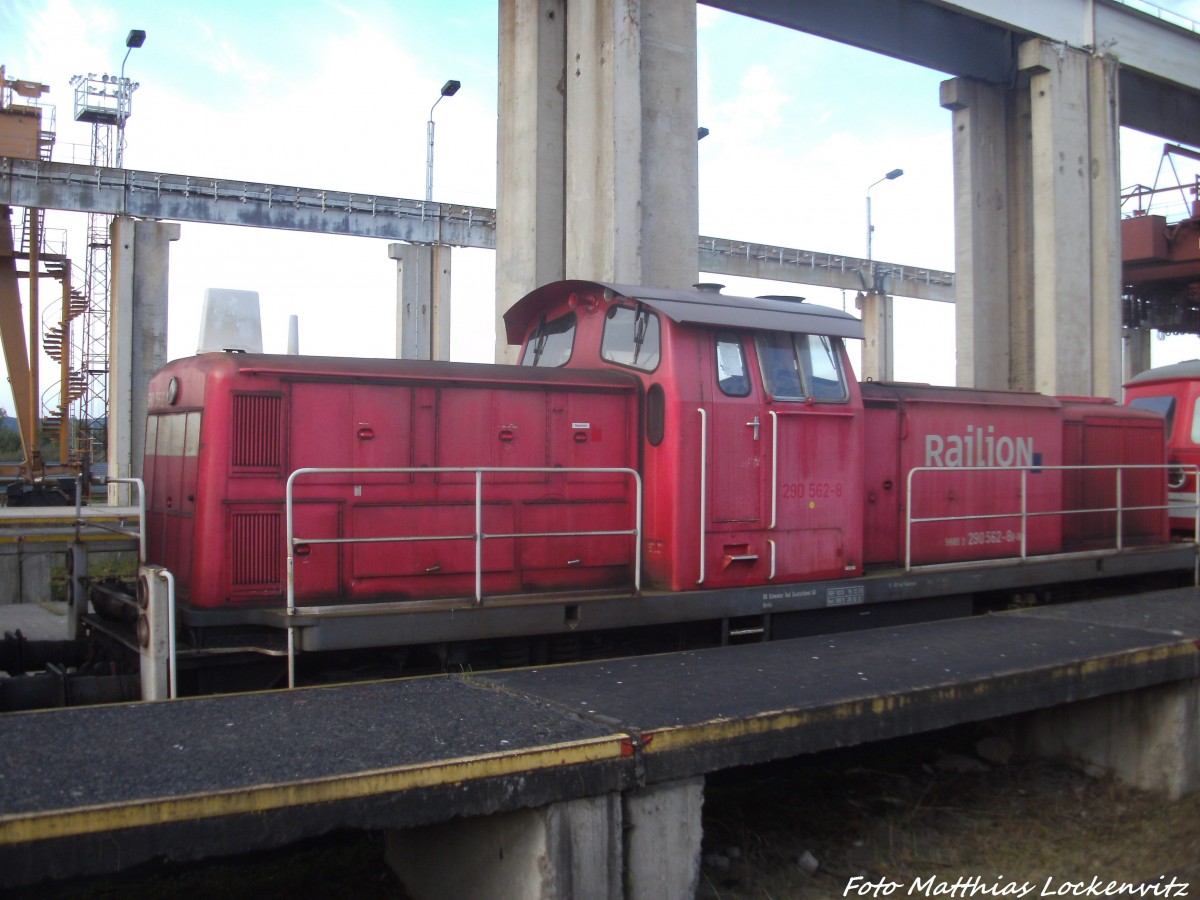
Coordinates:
(27, 132)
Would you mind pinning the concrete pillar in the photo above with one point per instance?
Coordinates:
(422, 300)
(982, 249)
(878, 353)
(1037, 228)
(621, 98)
(1076, 232)
(1105, 171)
(662, 839)
(1149, 738)
(1137, 352)
(137, 338)
(531, 146)
(632, 207)
(643, 844)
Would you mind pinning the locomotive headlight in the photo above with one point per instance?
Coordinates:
(143, 592)
(1176, 477)
(143, 630)
(172, 391)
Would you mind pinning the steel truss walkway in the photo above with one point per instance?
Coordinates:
(186, 198)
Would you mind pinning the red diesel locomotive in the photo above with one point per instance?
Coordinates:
(702, 464)
(1174, 393)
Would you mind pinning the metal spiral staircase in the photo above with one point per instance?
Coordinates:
(56, 401)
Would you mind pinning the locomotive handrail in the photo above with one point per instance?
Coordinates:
(703, 485)
(1024, 515)
(479, 536)
(774, 480)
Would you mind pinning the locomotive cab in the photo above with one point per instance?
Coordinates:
(751, 416)
(1173, 392)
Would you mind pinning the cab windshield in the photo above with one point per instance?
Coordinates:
(551, 344)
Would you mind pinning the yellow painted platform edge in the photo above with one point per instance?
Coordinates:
(715, 731)
(24, 828)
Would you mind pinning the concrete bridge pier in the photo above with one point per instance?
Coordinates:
(137, 339)
(1148, 738)
(422, 300)
(639, 844)
(1038, 244)
(878, 352)
(597, 173)
(1136, 353)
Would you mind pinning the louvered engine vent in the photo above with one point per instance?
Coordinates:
(256, 539)
(257, 427)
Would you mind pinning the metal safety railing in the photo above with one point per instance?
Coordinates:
(478, 535)
(82, 521)
(1024, 514)
(156, 572)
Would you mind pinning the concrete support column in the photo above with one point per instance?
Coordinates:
(1149, 738)
(1038, 237)
(642, 844)
(137, 346)
(422, 300)
(982, 258)
(632, 207)
(598, 145)
(531, 153)
(1137, 352)
(878, 353)
(1076, 233)
(1104, 142)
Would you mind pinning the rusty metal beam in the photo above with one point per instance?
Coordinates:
(12, 332)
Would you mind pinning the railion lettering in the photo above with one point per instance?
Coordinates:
(978, 447)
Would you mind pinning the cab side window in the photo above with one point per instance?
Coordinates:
(801, 367)
(1164, 406)
(777, 359)
(631, 338)
(732, 376)
(550, 345)
(822, 368)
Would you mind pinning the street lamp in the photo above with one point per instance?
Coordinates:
(449, 89)
(133, 40)
(890, 176)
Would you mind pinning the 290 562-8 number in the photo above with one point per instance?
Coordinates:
(810, 490)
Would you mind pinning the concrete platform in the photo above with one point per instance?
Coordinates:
(45, 621)
(33, 541)
(191, 778)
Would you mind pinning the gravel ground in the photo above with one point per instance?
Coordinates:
(930, 817)
(927, 815)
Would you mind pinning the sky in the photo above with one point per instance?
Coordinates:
(324, 94)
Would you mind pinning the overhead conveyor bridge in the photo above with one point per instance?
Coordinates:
(189, 198)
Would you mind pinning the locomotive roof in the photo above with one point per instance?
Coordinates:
(339, 368)
(692, 307)
(1187, 369)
